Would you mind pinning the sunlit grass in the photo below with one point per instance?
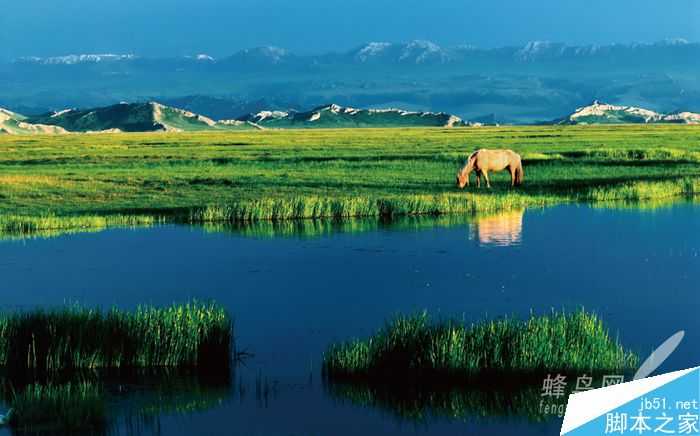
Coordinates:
(29, 225)
(413, 347)
(87, 181)
(188, 335)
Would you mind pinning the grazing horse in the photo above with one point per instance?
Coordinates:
(482, 161)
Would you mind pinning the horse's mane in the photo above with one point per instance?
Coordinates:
(470, 161)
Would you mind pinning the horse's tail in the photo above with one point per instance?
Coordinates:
(519, 174)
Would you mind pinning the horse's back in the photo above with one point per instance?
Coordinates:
(495, 159)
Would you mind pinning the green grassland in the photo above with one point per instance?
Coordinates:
(98, 180)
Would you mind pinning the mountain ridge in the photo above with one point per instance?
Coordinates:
(156, 117)
(603, 113)
(418, 52)
(518, 84)
(333, 115)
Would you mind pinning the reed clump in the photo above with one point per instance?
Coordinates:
(198, 335)
(12, 224)
(414, 348)
(282, 209)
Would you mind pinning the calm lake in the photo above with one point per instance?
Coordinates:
(295, 289)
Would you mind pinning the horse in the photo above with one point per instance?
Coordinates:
(483, 160)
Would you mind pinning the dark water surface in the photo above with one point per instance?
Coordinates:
(292, 296)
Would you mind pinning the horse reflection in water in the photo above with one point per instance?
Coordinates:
(500, 230)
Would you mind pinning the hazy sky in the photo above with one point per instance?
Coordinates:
(220, 27)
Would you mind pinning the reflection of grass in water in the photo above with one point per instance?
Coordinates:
(642, 194)
(136, 397)
(71, 406)
(423, 404)
(46, 234)
(172, 392)
(322, 227)
(414, 348)
(219, 222)
(187, 335)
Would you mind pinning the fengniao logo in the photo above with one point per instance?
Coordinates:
(663, 404)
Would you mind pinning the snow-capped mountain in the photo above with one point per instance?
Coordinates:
(372, 50)
(74, 59)
(415, 52)
(259, 56)
(153, 117)
(334, 115)
(203, 57)
(536, 50)
(602, 113)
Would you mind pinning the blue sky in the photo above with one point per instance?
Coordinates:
(219, 27)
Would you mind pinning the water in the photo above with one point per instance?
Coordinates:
(292, 296)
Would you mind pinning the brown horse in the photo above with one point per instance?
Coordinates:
(482, 161)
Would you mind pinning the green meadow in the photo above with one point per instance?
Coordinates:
(64, 182)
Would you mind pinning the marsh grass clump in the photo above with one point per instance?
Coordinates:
(414, 348)
(19, 225)
(72, 406)
(642, 191)
(194, 335)
(276, 210)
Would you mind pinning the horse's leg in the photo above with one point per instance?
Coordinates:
(478, 179)
(486, 176)
(512, 175)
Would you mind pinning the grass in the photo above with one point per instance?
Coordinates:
(23, 224)
(50, 183)
(72, 406)
(308, 228)
(189, 335)
(413, 348)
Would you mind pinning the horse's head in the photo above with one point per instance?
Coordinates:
(462, 179)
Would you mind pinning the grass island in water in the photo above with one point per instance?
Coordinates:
(414, 348)
(189, 335)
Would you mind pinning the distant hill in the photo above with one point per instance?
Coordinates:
(602, 113)
(15, 124)
(521, 84)
(416, 52)
(155, 117)
(132, 117)
(333, 115)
